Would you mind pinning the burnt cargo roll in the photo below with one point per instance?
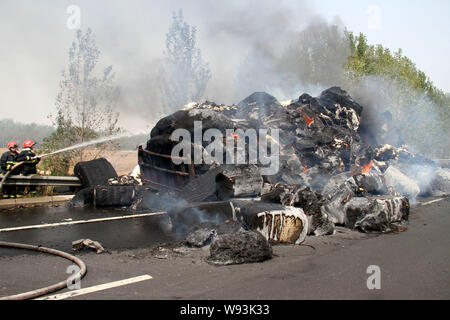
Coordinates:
(239, 247)
(277, 223)
(95, 173)
(239, 181)
(377, 214)
(113, 196)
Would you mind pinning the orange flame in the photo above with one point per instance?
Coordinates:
(367, 167)
(234, 135)
(308, 120)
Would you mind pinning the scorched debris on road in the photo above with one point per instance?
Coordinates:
(332, 170)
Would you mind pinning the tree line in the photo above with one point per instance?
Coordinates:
(421, 109)
(11, 130)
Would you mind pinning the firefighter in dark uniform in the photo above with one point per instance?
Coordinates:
(7, 163)
(29, 159)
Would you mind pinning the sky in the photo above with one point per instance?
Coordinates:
(35, 38)
(421, 28)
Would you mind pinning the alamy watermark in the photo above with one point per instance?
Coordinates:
(237, 147)
(74, 281)
(74, 20)
(374, 281)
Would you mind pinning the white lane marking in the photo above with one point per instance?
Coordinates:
(50, 225)
(430, 202)
(100, 287)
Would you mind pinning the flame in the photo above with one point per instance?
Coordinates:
(308, 120)
(367, 167)
(234, 135)
(305, 169)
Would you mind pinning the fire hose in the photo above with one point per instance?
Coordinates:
(6, 176)
(58, 286)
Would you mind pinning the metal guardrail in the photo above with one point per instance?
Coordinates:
(42, 181)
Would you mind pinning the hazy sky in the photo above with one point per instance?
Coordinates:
(421, 28)
(130, 34)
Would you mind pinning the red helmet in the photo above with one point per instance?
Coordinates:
(28, 144)
(13, 144)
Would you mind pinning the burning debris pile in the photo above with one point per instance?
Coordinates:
(313, 166)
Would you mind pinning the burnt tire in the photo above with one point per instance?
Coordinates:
(113, 196)
(95, 173)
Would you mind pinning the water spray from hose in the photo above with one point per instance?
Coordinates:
(85, 144)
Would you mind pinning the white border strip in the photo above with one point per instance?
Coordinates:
(100, 287)
(51, 225)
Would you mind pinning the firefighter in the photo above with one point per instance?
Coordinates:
(30, 160)
(7, 163)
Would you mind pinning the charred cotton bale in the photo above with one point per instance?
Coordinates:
(402, 184)
(278, 223)
(264, 110)
(239, 247)
(239, 181)
(281, 194)
(204, 233)
(289, 225)
(184, 119)
(379, 214)
(339, 106)
(370, 183)
(311, 202)
(341, 188)
(337, 197)
(201, 235)
(320, 224)
(334, 184)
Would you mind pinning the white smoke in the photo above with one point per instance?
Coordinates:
(282, 47)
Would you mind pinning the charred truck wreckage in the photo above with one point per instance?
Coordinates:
(241, 178)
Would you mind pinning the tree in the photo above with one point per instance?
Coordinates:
(317, 56)
(85, 103)
(421, 110)
(184, 75)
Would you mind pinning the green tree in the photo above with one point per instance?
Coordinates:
(184, 75)
(317, 56)
(85, 103)
(420, 108)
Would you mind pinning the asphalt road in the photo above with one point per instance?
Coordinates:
(413, 265)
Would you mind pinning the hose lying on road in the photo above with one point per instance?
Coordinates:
(49, 289)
